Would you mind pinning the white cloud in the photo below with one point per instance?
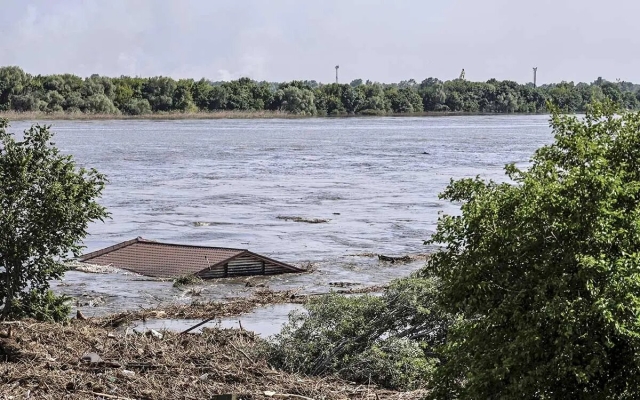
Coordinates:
(289, 39)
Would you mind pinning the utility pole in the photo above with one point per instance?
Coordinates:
(337, 66)
(535, 76)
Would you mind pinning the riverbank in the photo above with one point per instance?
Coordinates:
(176, 116)
(84, 360)
(63, 116)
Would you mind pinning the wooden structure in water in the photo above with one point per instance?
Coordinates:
(168, 260)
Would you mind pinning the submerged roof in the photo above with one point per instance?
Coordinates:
(168, 260)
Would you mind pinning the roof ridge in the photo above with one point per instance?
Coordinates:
(141, 240)
(109, 249)
(147, 241)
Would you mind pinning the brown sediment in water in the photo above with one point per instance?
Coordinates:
(45, 361)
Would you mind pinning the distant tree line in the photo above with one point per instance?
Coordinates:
(22, 92)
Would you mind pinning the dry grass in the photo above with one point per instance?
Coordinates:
(37, 115)
(44, 361)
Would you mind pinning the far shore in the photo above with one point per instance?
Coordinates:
(58, 116)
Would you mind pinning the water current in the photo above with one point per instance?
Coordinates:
(226, 182)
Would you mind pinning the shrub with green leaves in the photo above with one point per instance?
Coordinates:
(387, 339)
(46, 204)
(544, 271)
(42, 305)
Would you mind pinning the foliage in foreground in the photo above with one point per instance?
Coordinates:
(388, 340)
(46, 204)
(545, 273)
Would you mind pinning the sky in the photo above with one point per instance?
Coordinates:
(283, 40)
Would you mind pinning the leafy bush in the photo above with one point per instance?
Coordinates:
(137, 107)
(43, 306)
(544, 274)
(388, 339)
(47, 204)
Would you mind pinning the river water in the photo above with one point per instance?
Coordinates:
(225, 182)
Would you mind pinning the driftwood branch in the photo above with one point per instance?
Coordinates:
(198, 325)
(243, 353)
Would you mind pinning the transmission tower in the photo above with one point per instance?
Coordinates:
(337, 67)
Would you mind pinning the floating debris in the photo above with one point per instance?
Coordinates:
(91, 268)
(393, 260)
(194, 292)
(362, 255)
(87, 301)
(229, 308)
(187, 280)
(201, 223)
(343, 284)
(303, 219)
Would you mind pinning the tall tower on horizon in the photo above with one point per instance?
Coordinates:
(535, 76)
(337, 66)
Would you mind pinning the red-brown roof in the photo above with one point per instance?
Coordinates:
(167, 260)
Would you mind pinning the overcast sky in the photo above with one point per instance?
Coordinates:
(281, 40)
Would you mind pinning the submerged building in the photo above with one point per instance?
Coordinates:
(168, 260)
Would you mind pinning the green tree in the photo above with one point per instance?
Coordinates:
(374, 101)
(352, 99)
(137, 107)
(544, 272)
(182, 97)
(55, 101)
(296, 101)
(200, 93)
(100, 104)
(434, 97)
(159, 91)
(13, 81)
(46, 206)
